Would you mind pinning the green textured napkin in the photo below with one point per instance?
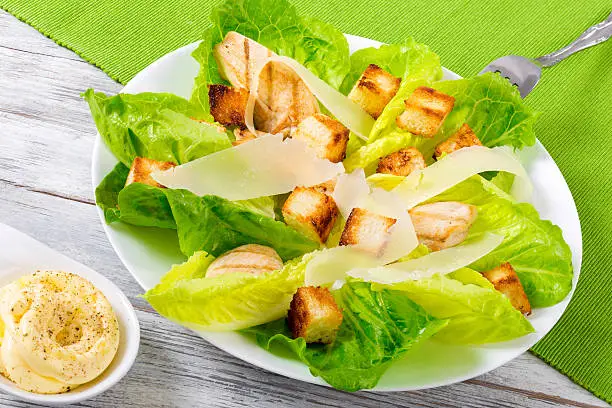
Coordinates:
(575, 97)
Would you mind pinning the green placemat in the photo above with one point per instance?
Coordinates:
(122, 37)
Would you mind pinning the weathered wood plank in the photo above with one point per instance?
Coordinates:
(46, 138)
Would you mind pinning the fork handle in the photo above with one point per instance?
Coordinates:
(592, 36)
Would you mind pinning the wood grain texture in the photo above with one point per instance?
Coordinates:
(46, 139)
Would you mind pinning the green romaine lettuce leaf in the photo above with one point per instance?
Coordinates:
(145, 206)
(502, 180)
(207, 223)
(275, 24)
(488, 103)
(224, 302)
(137, 204)
(216, 225)
(535, 247)
(157, 126)
(476, 312)
(107, 192)
(378, 328)
(404, 60)
(262, 205)
(208, 72)
(194, 268)
(493, 108)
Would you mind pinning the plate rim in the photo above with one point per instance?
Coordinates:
(210, 336)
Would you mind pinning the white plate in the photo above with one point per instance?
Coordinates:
(149, 253)
(22, 255)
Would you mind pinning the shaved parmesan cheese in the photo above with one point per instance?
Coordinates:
(331, 265)
(421, 185)
(441, 262)
(265, 166)
(352, 191)
(402, 240)
(346, 111)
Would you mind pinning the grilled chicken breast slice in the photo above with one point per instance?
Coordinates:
(283, 99)
(444, 224)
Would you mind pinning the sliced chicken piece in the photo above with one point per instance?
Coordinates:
(251, 258)
(283, 99)
(238, 58)
(444, 224)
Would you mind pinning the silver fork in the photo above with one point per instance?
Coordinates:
(525, 73)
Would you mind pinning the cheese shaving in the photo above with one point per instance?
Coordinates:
(421, 185)
(262, 167)
(441, 262)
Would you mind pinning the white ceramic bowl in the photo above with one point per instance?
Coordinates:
(22, 255)
(148, 253)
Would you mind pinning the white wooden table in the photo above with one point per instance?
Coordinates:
(46, 140)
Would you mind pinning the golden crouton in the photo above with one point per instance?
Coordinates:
(141, 170)
(325, 135)
(327, 187)
(444, 224)
(314, 315)
(425, 111)
(402, 163)
(310, 212)
(227, 104)
(245, 135)
(368, 230)
(374, 89)
(464, 137)
(505, 280)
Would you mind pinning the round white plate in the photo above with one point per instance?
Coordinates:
(148, 253)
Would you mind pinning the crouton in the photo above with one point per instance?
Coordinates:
(227, 104)
(310, 212)
(245, 135)
(464, 137)
(325, 135)
(401, 163)
(367, 230)
(442, 225)
(505, 280)
(425, 111)
(141, 171)
(314, 315)
(374, 89)
(327, 187)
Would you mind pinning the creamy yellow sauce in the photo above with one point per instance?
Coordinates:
(57, 331)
